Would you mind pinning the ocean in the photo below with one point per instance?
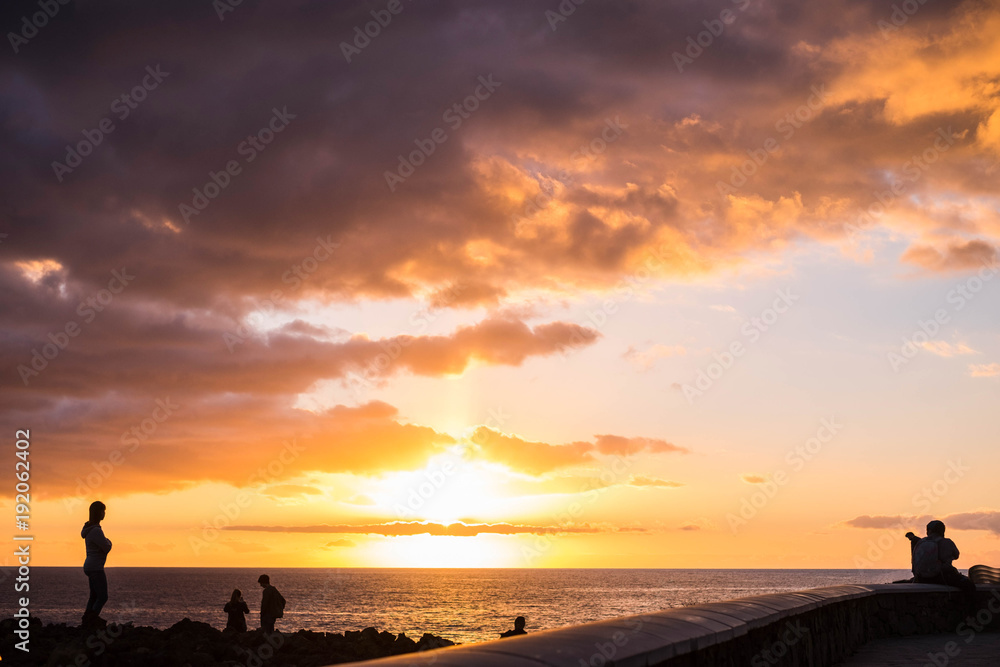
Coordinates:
(463, 605)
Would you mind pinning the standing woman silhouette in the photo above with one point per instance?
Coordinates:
(98, 547)
(237, 610)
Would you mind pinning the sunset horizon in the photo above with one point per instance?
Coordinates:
(502, 285)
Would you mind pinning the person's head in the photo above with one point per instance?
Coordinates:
(237, 594)
(97, 511)
(264, 580)
(935, 528)
(519, 623)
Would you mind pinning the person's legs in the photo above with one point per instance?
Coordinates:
(952, 577)
(98, 587)
(92, 601)
(267, 623)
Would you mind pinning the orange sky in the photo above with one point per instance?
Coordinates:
(506, 290)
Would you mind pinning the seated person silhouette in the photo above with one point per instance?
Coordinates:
(518, 628)
(931, 559)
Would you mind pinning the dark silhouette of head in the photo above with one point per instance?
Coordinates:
(97, 511)
(935, 528)
(519, 623)
(237, 594)
(264, 580)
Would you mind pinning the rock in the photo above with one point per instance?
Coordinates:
(403, 644)
(429, 641)
(198, 644)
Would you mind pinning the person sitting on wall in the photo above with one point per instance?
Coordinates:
(518, 628)
(931, 559)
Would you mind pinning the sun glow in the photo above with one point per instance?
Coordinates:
(447, 490)
(36, 269)
(438, 551)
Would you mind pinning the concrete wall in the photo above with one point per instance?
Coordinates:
(815, 627)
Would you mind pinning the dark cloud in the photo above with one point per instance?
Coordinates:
(124, 343)
(988, 520)
(398, 528)
(338, 543)
(643, 481)
(539, 458)
(290, 491)
(323, 175)
(884, 521)
(589, 157)
(955, 256)
(978, 520)
(621, 446)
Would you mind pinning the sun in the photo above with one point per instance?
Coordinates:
(448, 489)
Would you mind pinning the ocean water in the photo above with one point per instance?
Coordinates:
(464, 605)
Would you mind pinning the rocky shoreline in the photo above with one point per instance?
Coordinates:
(196, 644)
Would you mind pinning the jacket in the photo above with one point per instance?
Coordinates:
(98, 547)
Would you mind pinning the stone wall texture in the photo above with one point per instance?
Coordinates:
(814, 628)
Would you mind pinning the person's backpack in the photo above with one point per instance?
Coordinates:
(926, 560)
(281, 604)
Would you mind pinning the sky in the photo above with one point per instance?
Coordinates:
(502, 284)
